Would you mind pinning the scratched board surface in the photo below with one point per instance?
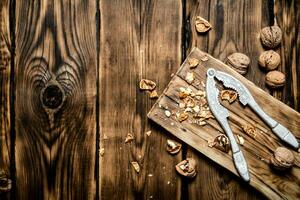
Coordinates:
(257, 151)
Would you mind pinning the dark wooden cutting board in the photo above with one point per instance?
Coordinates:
(257, 151)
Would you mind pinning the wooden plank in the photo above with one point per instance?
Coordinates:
(288, 18)
(235, 28)
(139, 39)
(257, 151)
(55, 77)
(5, 72)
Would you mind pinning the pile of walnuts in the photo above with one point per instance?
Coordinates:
(269, 60)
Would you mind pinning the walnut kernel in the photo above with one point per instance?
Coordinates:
(193, 62)
(136, 166)
(146, 84)
(221, 142)
(228, 95)
(250, 130)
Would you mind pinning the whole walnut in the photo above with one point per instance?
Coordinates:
(271, 36)
(239, 62)
(282, 159)
(275, 79)
(269, 60)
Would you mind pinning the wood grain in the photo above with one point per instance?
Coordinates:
(139, 39)
(288, 18)
(235, 28)
(257, 151)
(55, 80)
(5, 73)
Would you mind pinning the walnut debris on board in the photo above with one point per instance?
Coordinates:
(220, 142)
(190, 77)
(229, 95)
(187, 168)
(204, 58)
(181, 116)
(129, 138)
(250, 130)
(173, 147)
(240, 140)
(202, 25)
(136, 166)
(168, 113)
(193, 105)
(193, 62)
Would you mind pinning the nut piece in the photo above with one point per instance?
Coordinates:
(239, 62)
(182, 116)
(153, 94)
(101, 151)
(168, 113)
(136, 166)
(129, 138)
(282, 159)
(228, 95)
(250, 130)
(275, 79)
(187, 168)
(240, 140)
(193, 62)
(190, 76)
(202, 25)
(173, 147)
(221, 142)
(146, 84)
(271, 36)
(269, 60)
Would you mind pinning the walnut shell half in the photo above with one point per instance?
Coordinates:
(146, 84)
(275, 79)
(239, 62)
(282, 158)
(187, 168)
(271, 36)
(202, 25)
(173, 147)
(269, 60)
(221, 142)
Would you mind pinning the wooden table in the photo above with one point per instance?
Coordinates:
(69, 75)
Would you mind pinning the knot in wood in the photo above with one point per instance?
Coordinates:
(5, 183)
(52, 96)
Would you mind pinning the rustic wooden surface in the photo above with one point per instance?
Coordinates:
(109, 46)
(55, 100)
(139, 39)
(5, 72)
(257, 151)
